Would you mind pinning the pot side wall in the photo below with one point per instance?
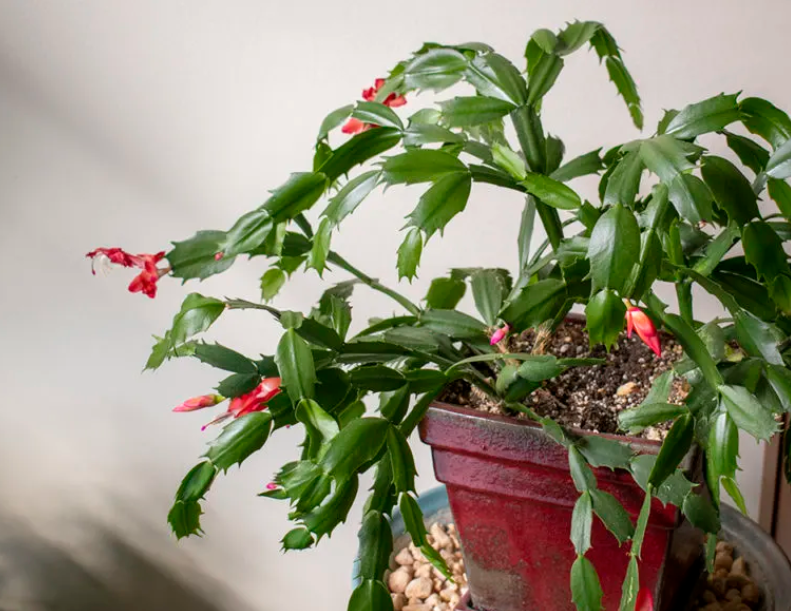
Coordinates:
(511, 495)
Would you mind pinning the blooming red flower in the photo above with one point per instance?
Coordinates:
(254, 401)
(146, 281)
(645, 600)
(639, 321)
(499, 335)
(190, 405)
(393, 100)
(114, 255)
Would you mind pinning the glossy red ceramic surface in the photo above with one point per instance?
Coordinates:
(511, 496)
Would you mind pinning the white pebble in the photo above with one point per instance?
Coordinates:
(440, 538)
(433, 600)
(423, 570)
(419, 588)
(399, 601)
(399, 580)
(416, 553)
(449, 592)
(404, 557)
(626, 389)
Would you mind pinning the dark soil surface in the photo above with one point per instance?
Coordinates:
(587, 398)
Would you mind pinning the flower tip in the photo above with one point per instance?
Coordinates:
(200, 402)
(271, 486)
(353, 126)
(219, 256)
(655, 346)
(395, 101)
(499, 335)
(645, 600)
(639, 321)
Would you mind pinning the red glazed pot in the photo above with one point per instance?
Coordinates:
(511, 495)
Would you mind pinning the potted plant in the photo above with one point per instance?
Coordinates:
(669, 212)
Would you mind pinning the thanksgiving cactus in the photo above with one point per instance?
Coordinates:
(669, 211)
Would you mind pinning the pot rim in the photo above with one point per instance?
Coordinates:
(648, 444)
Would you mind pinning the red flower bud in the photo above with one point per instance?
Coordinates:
(254, 401)
(191, 405)
(272, 486)
(354, 126)
(499, 335)
(645, 600)
(639, 321)
(394, 101)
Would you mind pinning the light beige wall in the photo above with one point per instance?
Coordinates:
(132, 123)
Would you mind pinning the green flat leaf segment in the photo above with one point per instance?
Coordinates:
(297, 194)
(613, 244)
(436, 69)
(666, 156)
(377, 114)
(710, 115)
(551, 192)
(444, 199)
(240, 439)
(420, 165)
(196, 257)
(196, 315)
(747, 412)
(295, 364)
(494, 76)
(766, 120)
(586, 589)
(351, 195)
(472, 111)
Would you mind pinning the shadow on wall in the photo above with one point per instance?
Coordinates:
(37, 574)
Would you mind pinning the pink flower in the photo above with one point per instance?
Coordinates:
(393, 100)
(271, 486)
(500, 334)
(639, 321)
(190, 405)
(254, 401)
(146, 281)
(645, 601)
